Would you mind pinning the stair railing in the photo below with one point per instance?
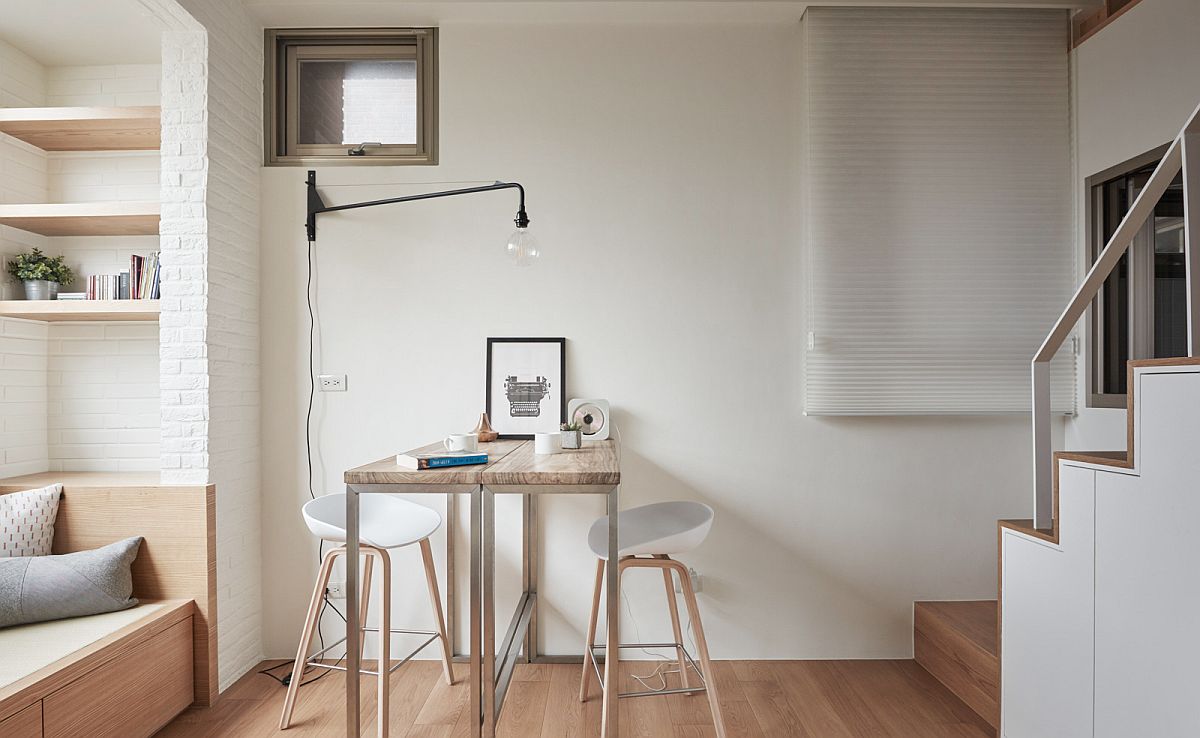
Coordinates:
(1183, 155)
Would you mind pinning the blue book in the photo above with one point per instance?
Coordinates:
(437, 461)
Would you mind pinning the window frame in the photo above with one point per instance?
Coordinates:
(286, 47)
(1141, 297)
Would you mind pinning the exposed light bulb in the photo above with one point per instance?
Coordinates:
(523, 248)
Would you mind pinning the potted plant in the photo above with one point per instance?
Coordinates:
(41, 274)
(571, 435)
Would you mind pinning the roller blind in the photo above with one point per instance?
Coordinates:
(939, 244)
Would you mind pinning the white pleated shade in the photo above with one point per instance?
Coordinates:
(939, 244)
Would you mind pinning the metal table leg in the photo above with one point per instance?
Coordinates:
(353, 627)
(476, 652)
(612, 600)
(489, 613)
(529, 570)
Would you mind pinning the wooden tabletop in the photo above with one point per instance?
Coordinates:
(598, 462)
(509, 463)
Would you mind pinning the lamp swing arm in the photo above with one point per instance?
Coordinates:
(316, 205)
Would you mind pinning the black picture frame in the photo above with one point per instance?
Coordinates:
(500, 421)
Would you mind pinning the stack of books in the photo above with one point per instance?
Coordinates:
(141, 282)
(440, 460)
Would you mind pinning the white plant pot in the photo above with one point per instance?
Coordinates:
(41, 289)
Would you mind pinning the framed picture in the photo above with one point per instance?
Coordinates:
(526, 390)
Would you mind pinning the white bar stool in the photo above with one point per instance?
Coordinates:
(649, 535)
(387, 522)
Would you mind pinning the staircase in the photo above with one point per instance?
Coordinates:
(957, 643)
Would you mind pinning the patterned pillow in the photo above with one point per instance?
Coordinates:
(27, 521)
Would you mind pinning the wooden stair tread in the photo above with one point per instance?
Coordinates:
(957, 643)
(1103, 458)
(974, 619)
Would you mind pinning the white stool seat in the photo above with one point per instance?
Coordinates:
(387, 522)
(661, 528)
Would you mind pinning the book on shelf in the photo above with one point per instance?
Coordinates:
(68, 296)
(141, 282)
(441, 460)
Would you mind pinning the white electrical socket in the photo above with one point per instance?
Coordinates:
(336, 590)
(697, 581)
(332, 382)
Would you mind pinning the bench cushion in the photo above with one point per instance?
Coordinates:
(28, 648)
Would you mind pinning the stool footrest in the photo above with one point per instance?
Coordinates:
(591, 656)
(433, 636)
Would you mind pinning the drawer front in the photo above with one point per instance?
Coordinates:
(25, 724)
(131, 696)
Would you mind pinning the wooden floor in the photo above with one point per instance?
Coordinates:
(824, 699)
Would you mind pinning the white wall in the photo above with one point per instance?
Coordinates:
(77, 396)
(1136, 83)
(212, 108)
(660, 166)
(23, 447)
(103, 381)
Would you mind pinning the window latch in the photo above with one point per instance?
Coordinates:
(361, 149)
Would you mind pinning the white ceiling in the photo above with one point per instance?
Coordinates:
(70, 32)
(284, 13)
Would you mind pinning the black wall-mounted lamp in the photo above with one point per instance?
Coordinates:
(522, 247)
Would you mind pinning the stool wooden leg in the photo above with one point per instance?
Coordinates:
(710, 678)
(310, 625)
(673, 607)
(436, 598)
(588, 661)
(384, 662)
(364, 600)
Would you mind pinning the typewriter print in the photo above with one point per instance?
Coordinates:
(525, 392)
(525, 398)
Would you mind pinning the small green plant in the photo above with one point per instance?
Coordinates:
(572, 426)
(35, 265)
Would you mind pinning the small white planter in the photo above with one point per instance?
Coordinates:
(41, 289)
(571, 439)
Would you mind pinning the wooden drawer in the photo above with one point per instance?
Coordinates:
(25, 724)
(132, 695)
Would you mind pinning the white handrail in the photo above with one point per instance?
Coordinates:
(1183, 154)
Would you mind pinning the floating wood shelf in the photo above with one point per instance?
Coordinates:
(83, 218)
(84, 129)
(80, 310)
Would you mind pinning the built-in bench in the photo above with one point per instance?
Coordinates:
(125, 673)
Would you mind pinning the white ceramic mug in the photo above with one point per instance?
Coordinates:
(468, 442)
(547, 443)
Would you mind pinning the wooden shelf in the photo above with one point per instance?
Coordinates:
(84, 129)
(81, 479)
(83, 218)
(52, 311)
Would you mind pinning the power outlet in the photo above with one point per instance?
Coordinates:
(697, 581)
(336, 591)
(332, 382)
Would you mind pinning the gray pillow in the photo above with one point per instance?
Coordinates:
(38, 588)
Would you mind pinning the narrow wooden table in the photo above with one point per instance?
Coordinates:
(512, 468)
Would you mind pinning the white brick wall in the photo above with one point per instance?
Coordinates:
(211, 152)
(23, 397)
(22, 80)
(23, 446)
(103, 382)
(103, 175)
(102, 390)
(123, 84)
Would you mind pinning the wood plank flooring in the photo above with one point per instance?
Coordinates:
(823, 699)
